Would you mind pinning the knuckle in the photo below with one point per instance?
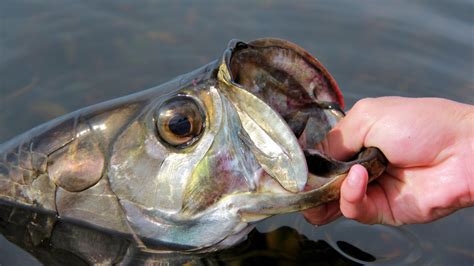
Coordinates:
(363, 105)
(363, 111)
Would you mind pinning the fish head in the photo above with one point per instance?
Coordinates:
(197, 168)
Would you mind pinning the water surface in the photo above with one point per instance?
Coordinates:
(57, 56)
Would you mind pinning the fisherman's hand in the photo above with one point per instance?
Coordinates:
(429, 143)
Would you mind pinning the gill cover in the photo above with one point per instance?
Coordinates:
(275, 146)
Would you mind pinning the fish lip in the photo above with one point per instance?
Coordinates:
(323, 169)
(270, 201)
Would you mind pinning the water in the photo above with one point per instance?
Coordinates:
(57, 56)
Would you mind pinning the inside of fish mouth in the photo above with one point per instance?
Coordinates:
(321, 168)
(258, 70)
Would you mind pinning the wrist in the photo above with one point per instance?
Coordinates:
(466, 144)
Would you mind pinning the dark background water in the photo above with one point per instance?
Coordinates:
(59, 55)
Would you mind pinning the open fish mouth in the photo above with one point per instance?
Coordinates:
(297, 87)
(286, 103)
(268, 105)
(190, 165)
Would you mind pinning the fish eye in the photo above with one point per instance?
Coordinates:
(180, 121)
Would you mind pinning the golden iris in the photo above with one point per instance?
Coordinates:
(180, 121)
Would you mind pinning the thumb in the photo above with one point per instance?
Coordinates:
(354, 202)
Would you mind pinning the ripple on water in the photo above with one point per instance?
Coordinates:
(374, 244)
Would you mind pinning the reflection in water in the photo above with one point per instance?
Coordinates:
(387, 245)
(355, 252)
(58, 56)
(284, 246)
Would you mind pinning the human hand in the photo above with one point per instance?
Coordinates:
(429, 143)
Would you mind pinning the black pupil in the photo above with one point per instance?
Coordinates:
(180, 125)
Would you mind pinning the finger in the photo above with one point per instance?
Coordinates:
(355, 185)
(348, 136)
(354, 202)
(323, 214)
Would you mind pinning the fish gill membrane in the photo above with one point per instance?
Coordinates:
(186, 167)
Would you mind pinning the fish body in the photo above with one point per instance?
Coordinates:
(183, 168)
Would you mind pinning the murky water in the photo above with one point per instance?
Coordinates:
(57, 56)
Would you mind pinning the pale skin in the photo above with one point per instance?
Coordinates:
(429, 143)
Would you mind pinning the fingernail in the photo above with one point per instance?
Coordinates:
(353, 179)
